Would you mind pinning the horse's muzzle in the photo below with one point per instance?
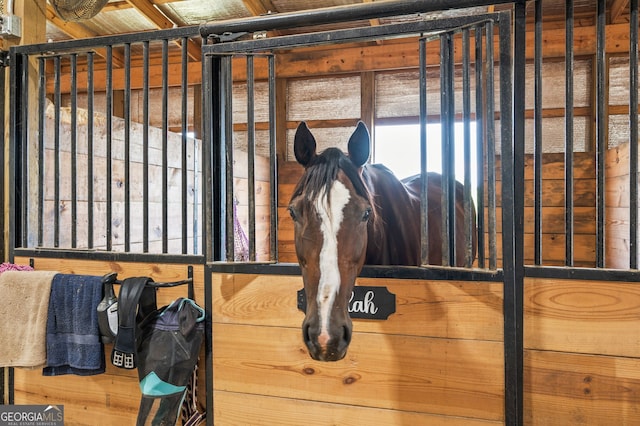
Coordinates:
(333, 349)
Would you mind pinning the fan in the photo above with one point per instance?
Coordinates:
(77, 10)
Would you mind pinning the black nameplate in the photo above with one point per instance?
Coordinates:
(366, 302)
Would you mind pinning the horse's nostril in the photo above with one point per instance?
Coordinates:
(305, 333)
(346, 334)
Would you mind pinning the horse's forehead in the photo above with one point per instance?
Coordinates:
(334, 198)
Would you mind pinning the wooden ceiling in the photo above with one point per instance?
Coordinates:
(125, 16)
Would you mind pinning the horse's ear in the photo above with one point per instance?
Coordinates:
(359, 145)
(304, 145)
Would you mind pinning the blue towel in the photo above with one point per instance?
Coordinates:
(73, 334)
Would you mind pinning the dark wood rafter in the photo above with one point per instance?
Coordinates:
(616, 10)
(160, 20)
(77, 31)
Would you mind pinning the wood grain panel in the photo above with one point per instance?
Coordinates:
(437, 376)
(112, 398)
(574, 389)
(447, 309)
(161, 272)
(594, 317)
(231, 409)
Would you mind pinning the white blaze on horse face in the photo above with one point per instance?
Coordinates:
(330, 221)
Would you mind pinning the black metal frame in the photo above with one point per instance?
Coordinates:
(221, 42)
(70, 51)
(221, 45)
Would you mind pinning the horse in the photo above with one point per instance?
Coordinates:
(348, 213)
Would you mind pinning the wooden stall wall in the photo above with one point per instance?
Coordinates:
(438, 360)
(174, 189)
(582, 358)
(111, 398)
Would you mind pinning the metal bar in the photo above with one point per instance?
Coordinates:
(3, 94)
(217, 163)
(512, 141)
(101, 41)
(480, 141)
(466, 122)
(127, 147)
(337, 14)
(165, 148)
(184, 90)
(448, 155)
(114, 256)
(273, 165)
(11, 380)
(349, 35)
(23, 154)
(227, 135)
(446, 126)
(42, 105)
(568, 142)
(633, 134)
(74, 148)
(601, 128)
(210, 107)
(491, 150)
(108, 147)
(537, 135)
(145, 147)
(424, 199)
(56, 153)
(450, 171)
(90, 171)
(251, 152)
(14, 133)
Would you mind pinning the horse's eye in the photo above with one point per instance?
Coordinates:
(292, 213)
(366, 215)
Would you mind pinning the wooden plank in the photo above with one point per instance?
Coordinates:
(235, 409)
(584, 192)
(453, 377)
(112, 398)
(595, 317)
(553, 220)
(446, 309)
(161, 272)
(573, 389)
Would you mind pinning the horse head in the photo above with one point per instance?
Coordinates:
(331, 208)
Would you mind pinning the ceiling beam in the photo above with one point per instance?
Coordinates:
(149, 10)
(152, 13)
(123, 4)
(259, 7)
(616, 9)
(72, 29)
(77, 31)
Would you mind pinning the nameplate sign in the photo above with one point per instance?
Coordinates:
(366, 302)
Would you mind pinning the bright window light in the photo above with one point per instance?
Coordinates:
(398, 148)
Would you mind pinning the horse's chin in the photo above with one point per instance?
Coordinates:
(328, 356)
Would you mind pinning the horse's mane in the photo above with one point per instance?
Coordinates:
(322, 171)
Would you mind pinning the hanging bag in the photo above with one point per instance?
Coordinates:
(168, 352)
(163, 344)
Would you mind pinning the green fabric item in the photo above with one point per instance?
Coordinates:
(152, 385)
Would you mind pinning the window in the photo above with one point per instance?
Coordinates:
(398, 148)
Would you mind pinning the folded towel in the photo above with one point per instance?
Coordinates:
(73, 335)
(23, 317)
